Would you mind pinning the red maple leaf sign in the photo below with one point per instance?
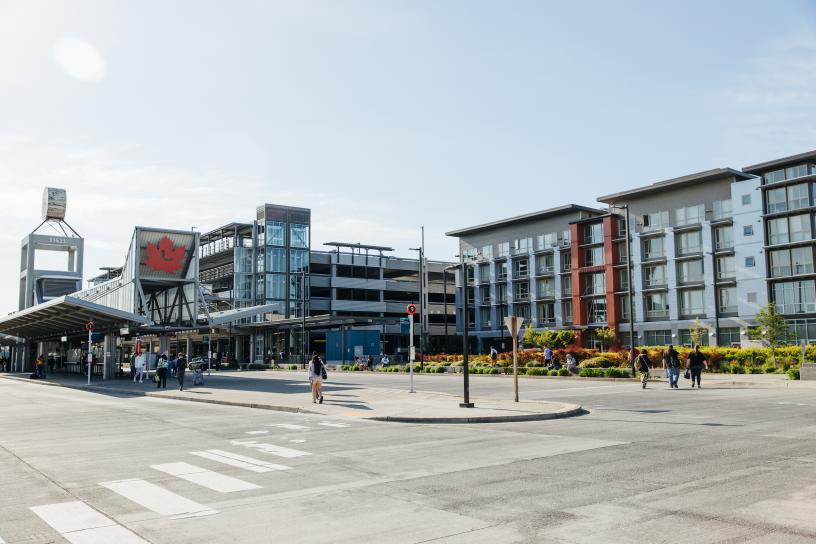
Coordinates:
(165, 257)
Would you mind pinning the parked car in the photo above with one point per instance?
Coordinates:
(201, 362)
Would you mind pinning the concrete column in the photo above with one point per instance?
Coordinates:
(188, 348)
(239, 349)
(164, 344)
(109, 361)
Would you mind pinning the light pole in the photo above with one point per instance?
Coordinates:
(304, 346)
(445, 294)
(421, 251)
(465, 325)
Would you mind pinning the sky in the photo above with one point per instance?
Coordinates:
(381, 116)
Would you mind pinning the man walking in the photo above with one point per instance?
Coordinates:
(548, 357)
(181, 368)
(494, 355)
(696, 361)
(643, 365)
(671, 362)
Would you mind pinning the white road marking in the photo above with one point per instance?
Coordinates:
(78, 523)
(157, 499)
(329, 424)
(784, 403)
(290, 426)
(297, 441)
(280, 451)
(257, 432)
(240, 461)
(206, 478)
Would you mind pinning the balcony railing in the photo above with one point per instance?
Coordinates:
(652, 314)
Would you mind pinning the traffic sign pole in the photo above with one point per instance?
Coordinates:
(514, 326)
(411, 351)
(90, 327)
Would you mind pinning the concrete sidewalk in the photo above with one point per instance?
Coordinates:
(289, 392)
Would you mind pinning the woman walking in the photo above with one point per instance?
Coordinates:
(317, 371)
(161, 372)
(696, 361)
(643, 365)
(181, 368)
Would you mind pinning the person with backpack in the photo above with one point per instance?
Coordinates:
(695, 364)
(671, 362)
(494, 355)
(161, 372)
(548, 356)
(317, 373)
(643, 365)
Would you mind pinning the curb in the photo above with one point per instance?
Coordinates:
(290, 409)
(577, 411)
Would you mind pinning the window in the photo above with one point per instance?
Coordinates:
(751, 297)
(795, 297)
(547, 241)
(778, 231)
(728, 300)
(501, 294)
(566, 312)
(691, 302)
(798, 196)
(501, 271)
(786, 173)
(775, 200)
(786, 262)
(689, 215)
(593, 234)
(276, 286)
(484, 320)
(566, 286)
(596, 310)
(654, 275)
(275, 233)
(657, 338)
(728, 336)
(484, 273)
(689, 242)
(780, 263)
(724, 237)
(595, 283)
(298, 260)
(546, 313)
(522, 310)
(748, 230)
(653, 248)
(471, 295)
(521, 246)
(722, 209)
(623, 255)
(686, 339)
(799, 228)
(520, 268)
(746, 200)
(623, 279)
(656, 305)
(594, 256)
(545, 264)
(503, 249)
(471, 275)
(750, 262)
(546, 287)
(521, 291)
(775, 176)
(690, 271)
(484, 297)
(726, 267)
(487, 252)
(621, 227)
(623, 304)
(566, 261)
(299, 235)
(276, 259)
(655, 221)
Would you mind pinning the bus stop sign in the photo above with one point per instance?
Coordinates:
(89, 326)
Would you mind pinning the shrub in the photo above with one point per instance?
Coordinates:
(793, 373)
(755, 370)
(256, 366)
(769, 369)
(591, 372)
(616, 373)
(553, 373)
(536, 371)
(292, 367)
(736, 368)
(597, 362)
(563, 372)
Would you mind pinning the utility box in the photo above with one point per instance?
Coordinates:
(337, 343)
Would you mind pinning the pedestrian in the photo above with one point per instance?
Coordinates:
(161, 372)
(370, 362)
(494, 355)
(171, 366)
(317, 373)
(571, 363)
(633, 355)
(548, 357)
(695, 363)
(385, 361)
(132, 366)
(671, 362)
(181, 368)
(40, 369)
(198, 375)
(643, 365)
(51, 363)
(141, 360)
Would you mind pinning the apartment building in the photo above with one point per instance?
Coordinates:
(788, 201)
(520, 266)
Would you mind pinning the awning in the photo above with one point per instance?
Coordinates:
(65, 315)
(228, 316)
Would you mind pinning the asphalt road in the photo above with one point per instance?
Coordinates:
(697, 466)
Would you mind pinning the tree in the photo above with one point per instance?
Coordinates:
(771, 329)
(697, 333)
(606, 336)
(530, 337)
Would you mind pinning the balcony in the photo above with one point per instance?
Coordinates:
(724, 245)
(545, 271)
(657, 314)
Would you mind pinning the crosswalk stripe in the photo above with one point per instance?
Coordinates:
(78, 523)
(290, 426)
(157, 499)
(257, 432)
(273, 449)
(329, 424)
(206, 478)
(240, 461)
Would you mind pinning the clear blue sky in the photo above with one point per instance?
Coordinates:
(381, 116)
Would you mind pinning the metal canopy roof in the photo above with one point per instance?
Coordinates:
(227, 316)
(65, 315)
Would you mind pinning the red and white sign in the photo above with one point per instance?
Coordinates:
(411, 309)
(89, 326)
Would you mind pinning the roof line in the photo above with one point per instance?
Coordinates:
(689, 179)
(524, 218)
(780, 162)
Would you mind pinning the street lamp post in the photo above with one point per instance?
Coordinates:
(463, 279)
